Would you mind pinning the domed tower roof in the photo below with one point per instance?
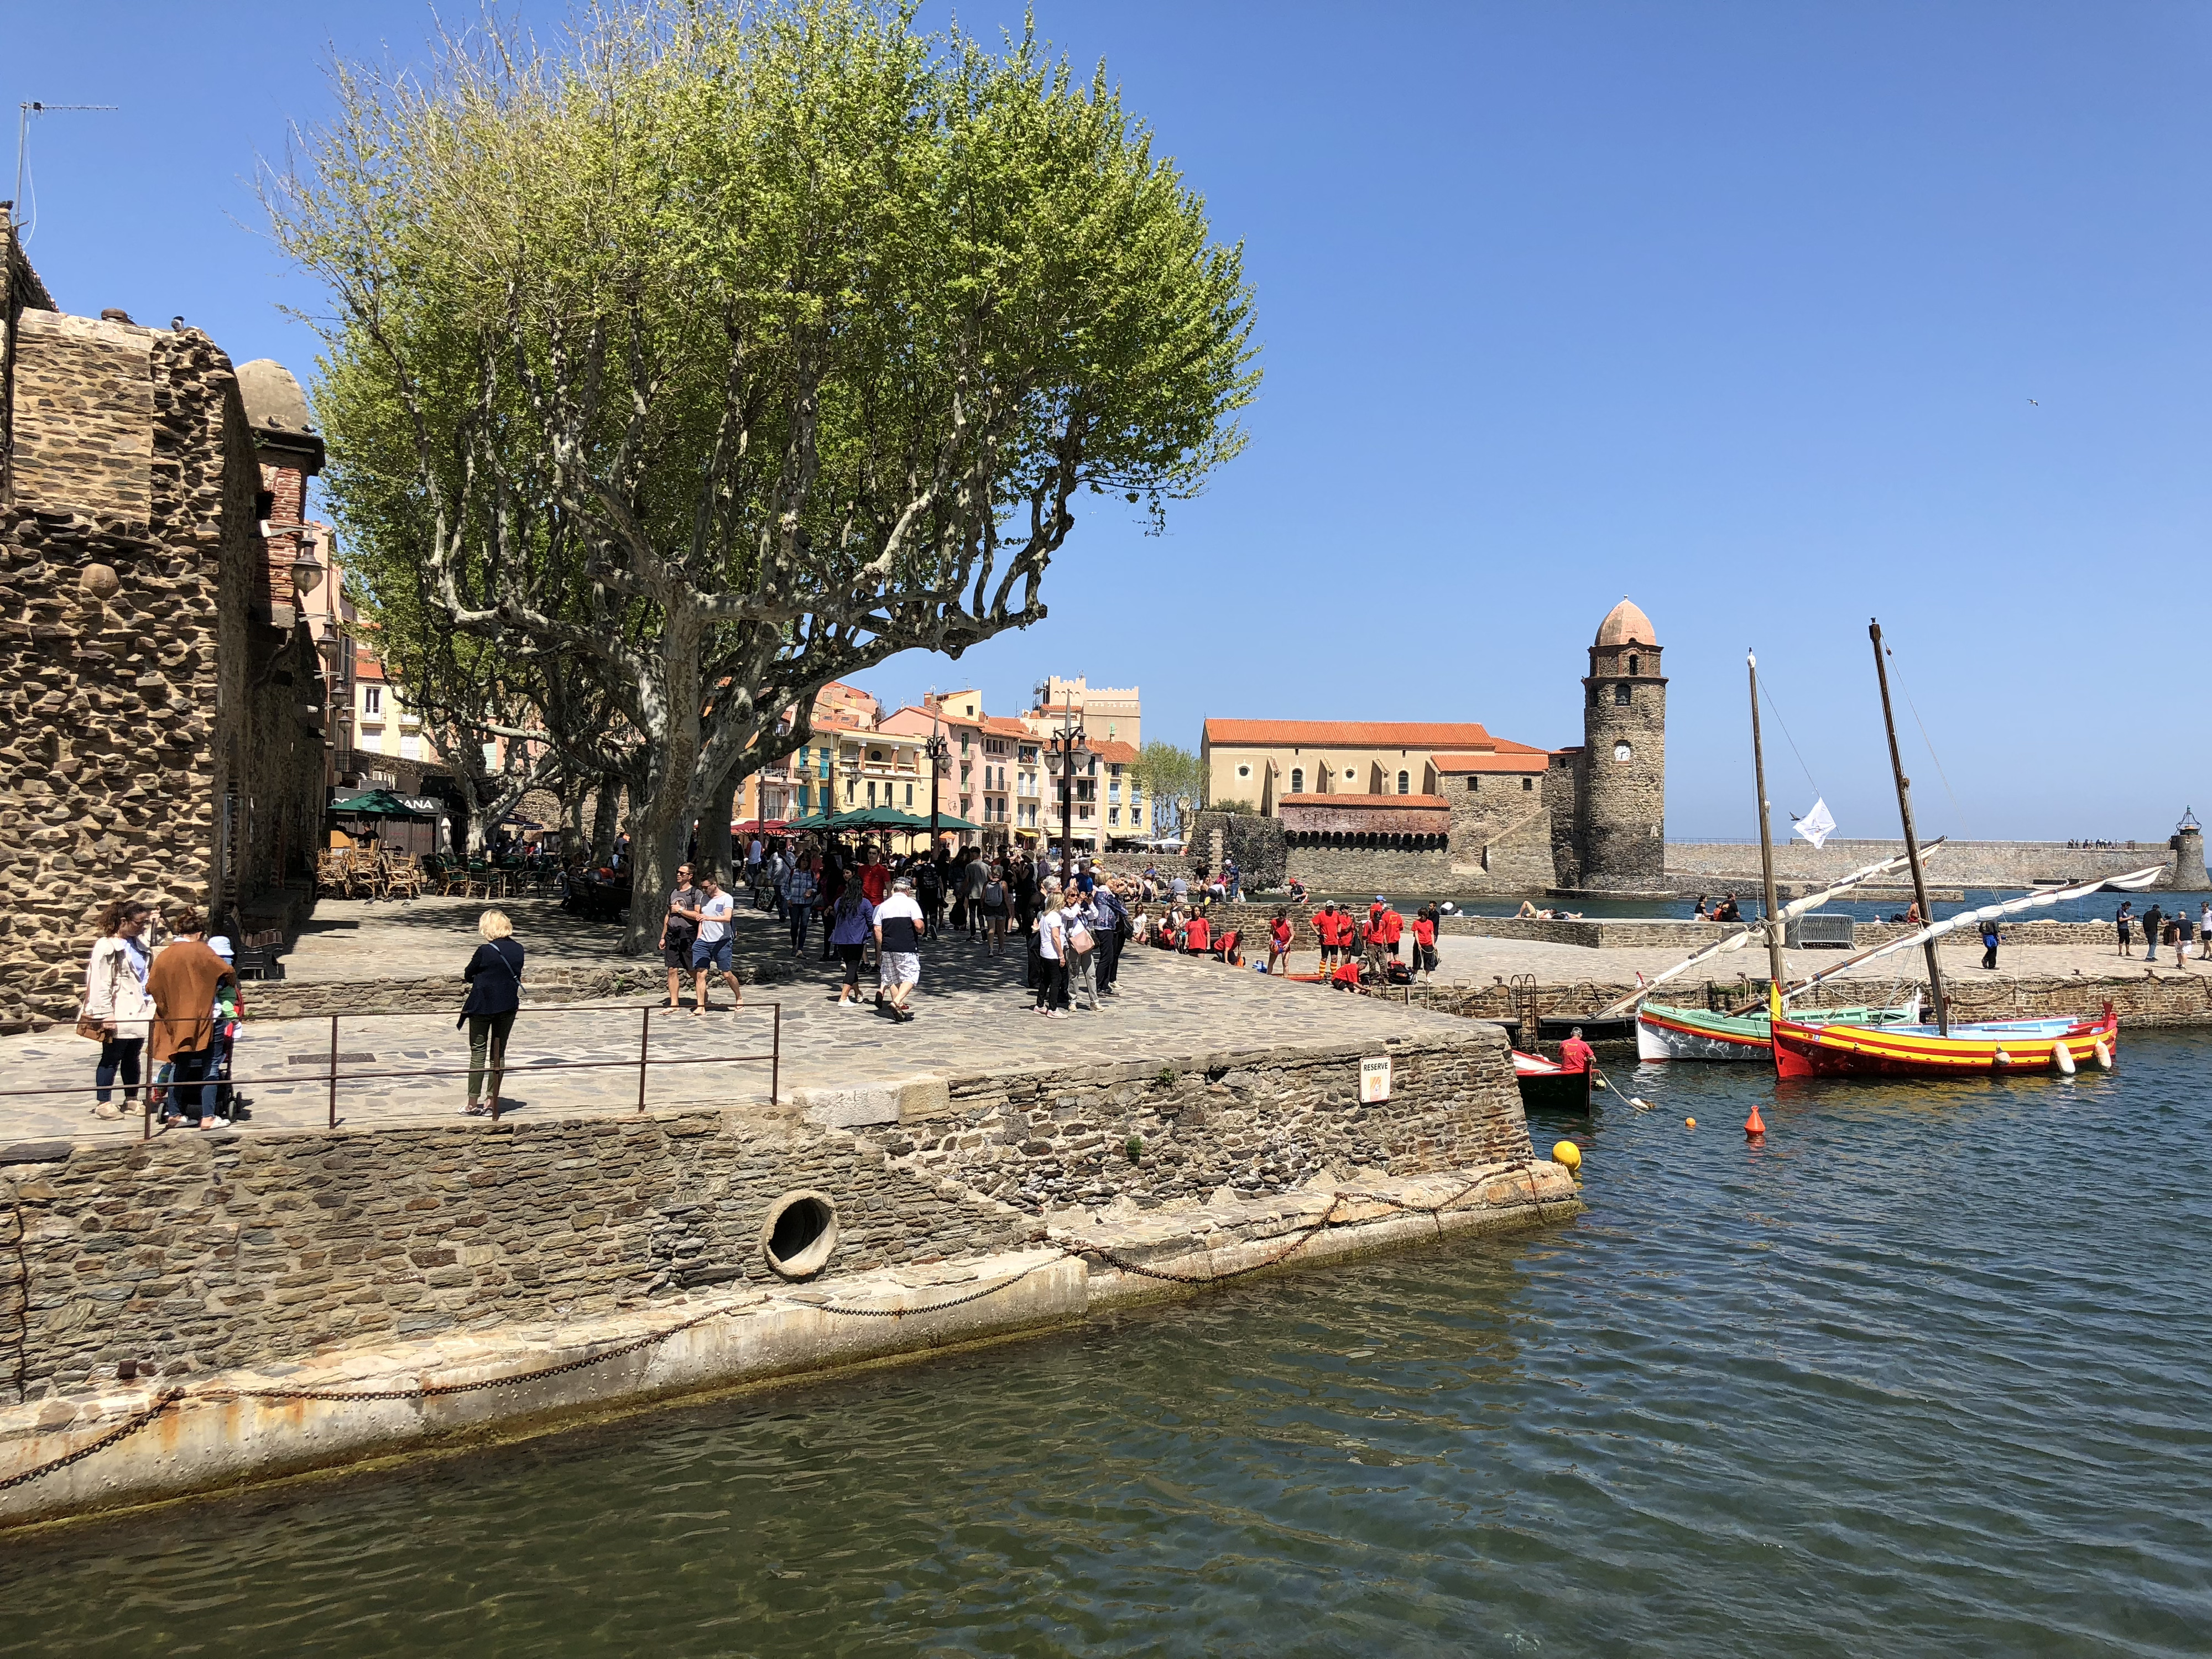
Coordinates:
(1625, 625)
(277, 409)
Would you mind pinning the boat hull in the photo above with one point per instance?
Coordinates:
(1981, 1049)
(1669, 1033)
(1548, 1086)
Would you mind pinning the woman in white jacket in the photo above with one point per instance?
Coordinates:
(115, 1000)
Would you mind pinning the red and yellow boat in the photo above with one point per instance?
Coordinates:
(1984, 1048)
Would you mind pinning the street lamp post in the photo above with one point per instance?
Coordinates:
(1065, 751)
(940, 756)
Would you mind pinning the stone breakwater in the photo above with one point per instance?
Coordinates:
(160, 1273)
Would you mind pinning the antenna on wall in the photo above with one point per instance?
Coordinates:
(24, 111)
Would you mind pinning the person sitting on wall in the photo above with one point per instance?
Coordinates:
(1727, 909)
(1298, 890)
(1699, 913)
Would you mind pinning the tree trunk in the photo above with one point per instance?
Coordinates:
(716, 850)
(605, 818)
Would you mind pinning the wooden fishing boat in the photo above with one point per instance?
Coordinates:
(1983, 1047)
(1546, 1084)
(1669, 1033)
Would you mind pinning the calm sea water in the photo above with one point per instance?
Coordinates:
(2097, 906)
(1925, 1375)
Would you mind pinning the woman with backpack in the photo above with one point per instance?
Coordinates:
(994, 901)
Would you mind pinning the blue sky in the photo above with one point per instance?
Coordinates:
(1736, 308)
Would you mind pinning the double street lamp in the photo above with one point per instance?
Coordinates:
(1065, 753)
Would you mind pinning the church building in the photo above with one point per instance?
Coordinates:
(1445, 806)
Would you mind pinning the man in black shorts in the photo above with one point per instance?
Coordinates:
(678, 932)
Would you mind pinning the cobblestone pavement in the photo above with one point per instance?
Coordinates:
(393, 939)
(972, 1016)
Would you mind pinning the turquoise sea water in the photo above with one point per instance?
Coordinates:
(1924, 1374)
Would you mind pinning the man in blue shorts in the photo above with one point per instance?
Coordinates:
(711, 951)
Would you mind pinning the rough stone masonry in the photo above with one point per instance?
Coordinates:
(161, 735)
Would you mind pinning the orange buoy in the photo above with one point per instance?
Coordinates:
(1754, 1124)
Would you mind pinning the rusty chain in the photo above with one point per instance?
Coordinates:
(168, 1397)
(432, 1390)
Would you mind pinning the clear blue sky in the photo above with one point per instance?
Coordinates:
(1736, 308)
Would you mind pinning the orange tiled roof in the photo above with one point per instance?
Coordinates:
(1351, 734)
(999, 726)
(1520, 758)
(1113, 749)
(1430, 802)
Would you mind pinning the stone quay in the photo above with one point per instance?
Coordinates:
(199, 1309)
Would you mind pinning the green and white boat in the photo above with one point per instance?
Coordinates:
(1669, 1033)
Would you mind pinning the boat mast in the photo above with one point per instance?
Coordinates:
(1912, 840)
(1765, 838)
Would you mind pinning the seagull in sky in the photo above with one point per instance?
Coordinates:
(2033, 401)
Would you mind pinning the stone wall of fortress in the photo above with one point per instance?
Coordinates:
(1956, 864)
(152, 743)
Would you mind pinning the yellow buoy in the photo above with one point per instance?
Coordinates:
(1689, 1123)
(1568, 1153)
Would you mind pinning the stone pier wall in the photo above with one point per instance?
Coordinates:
(196, 1253)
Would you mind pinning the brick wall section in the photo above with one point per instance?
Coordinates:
(137, 723)
(1371, 870)
(1254, 1124)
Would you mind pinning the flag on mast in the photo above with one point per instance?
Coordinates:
(1817, 825)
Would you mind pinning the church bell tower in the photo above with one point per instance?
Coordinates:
(1623, 809)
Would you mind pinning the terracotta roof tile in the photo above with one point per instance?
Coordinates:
(1113, 749)
(1351, 734)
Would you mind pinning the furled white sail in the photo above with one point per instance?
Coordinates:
(1756, 931)
(1973, 918)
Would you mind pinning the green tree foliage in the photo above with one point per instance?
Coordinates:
(1170, 776)
(727, 352)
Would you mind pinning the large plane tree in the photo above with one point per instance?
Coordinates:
(722, 353)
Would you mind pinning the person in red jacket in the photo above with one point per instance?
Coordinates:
(1424, 941)
(1198, 937)
(1575, 1054)
(1326, 924)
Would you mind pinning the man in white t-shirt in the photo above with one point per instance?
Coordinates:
(711, 951)
(898, 948)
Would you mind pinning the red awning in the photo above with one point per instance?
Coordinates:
(760, 826)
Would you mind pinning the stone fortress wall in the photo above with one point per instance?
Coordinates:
(1703, 865)
(154, 742)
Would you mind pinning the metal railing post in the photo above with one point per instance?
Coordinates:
(776, 1054)
(644, 1041)
(334, 1071)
